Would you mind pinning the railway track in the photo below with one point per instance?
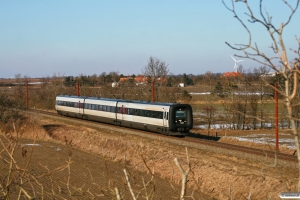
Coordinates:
(195, 140)
(249, 150)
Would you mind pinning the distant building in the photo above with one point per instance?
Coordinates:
(269, 74)
(181, 85)
(140, 79)
(115, 84)
(232, 74)
(125, 78)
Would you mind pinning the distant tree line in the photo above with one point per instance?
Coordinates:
(240, 102)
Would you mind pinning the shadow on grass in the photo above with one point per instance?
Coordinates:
(205, 137)
(50, 128)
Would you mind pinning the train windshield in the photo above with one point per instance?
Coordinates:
(180, 113)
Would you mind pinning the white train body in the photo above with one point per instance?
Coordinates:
(165, 118)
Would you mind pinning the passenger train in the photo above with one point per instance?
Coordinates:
(164, 118)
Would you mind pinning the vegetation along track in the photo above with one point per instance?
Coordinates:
(249, 150)
(193, 140)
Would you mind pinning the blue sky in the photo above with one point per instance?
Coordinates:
(72, 37)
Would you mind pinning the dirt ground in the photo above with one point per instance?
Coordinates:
(74, 161)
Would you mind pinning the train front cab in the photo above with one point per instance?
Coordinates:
(180, 119)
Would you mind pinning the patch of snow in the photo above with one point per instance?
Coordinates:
(290, 143)
(31, 145)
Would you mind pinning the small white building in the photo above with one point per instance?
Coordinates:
(269, 74)
(181, 85)
(115, 84)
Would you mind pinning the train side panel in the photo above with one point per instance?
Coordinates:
(68, 106)
(165, 118)
(141, 116)
(100, 110)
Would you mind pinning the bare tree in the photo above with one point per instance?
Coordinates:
(288, 69)
(155, 69)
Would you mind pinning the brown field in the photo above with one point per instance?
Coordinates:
(104, 153)
(98, 157)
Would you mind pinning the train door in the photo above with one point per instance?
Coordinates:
(116, 112)
(80, 107)
(123, 110)
(165, 118)
(119, 115)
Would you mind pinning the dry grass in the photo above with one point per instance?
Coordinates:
(221, 176)
(239, 133)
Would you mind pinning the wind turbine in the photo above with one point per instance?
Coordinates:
(235, 61)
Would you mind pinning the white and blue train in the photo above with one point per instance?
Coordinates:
(165, 118)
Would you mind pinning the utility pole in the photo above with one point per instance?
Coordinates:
(153, 92)
(78, 88)
(27, 98)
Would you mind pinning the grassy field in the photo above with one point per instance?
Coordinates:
(233, 178)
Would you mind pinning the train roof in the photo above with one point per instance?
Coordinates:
(119, 100)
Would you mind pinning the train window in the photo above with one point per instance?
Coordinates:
(160, 115)
(180, 113)
(131, 111)
(142, 113)
(148, 114)
(153, 114)
(137, 112)
(104, 108)
(108, 108)
(93, 107)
